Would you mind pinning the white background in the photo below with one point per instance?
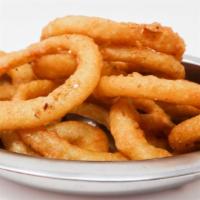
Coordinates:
(20, 25)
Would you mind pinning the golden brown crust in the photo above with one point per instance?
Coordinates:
(146, 60)
(81, 134)
(155, 36)
(150, 87)
(185, 137)
(129, 137)
(50, 145)
(12, 142)
(33, 113)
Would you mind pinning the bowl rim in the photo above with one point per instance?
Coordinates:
(146, 170)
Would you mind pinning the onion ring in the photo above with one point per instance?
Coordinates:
(129, 138)
(12, 142)
(60, 66)
(150, 87)
(7, 90)
(81, 134)
(179, 112)
(42, 110)
(162, 39)
(34, 89)
(21, 74)
(93, 111)
(146, 61)
(55, 66)
(114, 68)
(154, 119)
(50, 145)
(185, 137)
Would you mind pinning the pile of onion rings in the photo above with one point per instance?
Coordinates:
(93, 89)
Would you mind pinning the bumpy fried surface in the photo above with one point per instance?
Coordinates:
(50, 145)
(179, 112)
(93, 111)
(12, 142)
(146, 61)
(22, 74)
(7, 90)
(153, 119)
(34, 89)
(125, 76)
(129, 137)
(185, 137)
(82, 135)
(55, 66)
(42, 110)
(162, 39)
(150, 87)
